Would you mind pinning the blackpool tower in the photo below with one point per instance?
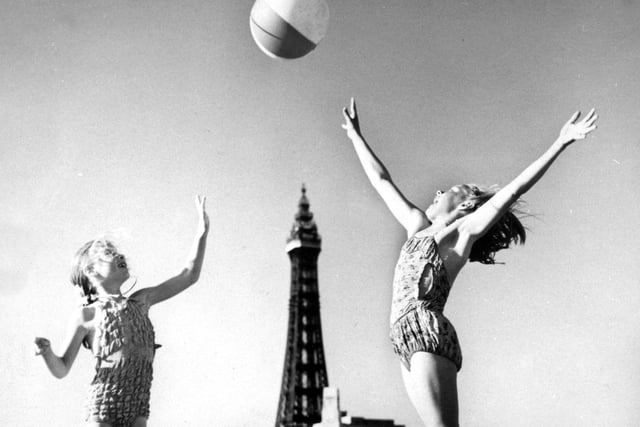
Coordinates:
(305, 374)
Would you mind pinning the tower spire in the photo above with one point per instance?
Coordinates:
(305, 374)
(304, 231)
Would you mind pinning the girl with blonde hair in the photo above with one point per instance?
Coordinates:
(117, 329)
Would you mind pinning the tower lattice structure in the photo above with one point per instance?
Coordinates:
(305, 374)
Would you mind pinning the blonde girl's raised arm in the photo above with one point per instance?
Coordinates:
(405, 212)
(190, 273)
(480, 221)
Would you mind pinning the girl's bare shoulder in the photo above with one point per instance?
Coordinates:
(454, 243)
(85, 314)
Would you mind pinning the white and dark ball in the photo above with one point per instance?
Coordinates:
(288, 28)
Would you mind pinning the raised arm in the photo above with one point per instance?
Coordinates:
(407, 214)
(480, 221)
(60, 366)
(191, 271)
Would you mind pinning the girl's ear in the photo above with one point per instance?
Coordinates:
(467, 205)
(88, 270)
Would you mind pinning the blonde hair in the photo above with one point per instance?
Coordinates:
(506, 231)
(81, 261)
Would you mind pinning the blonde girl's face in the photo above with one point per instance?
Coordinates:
(107, 263)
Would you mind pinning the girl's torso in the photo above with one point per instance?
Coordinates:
(121, 330)
(123, 345)
(421, 277)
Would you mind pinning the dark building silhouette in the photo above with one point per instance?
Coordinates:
(304, 375)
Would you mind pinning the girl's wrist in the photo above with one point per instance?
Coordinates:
(560, 144)
(353, 134)
(44, 351)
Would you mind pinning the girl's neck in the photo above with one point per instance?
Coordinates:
(104, 295)
(437, 225)
(105, 291)
(441, 222)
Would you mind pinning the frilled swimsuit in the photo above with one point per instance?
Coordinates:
(420, 291)
(124, 351)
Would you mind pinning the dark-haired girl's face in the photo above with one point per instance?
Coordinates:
(446, 201)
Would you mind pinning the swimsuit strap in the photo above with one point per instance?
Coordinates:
(428, 244)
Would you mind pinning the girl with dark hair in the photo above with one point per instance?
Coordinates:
(466, 222)
(117, 329)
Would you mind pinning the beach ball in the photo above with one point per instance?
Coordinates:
(288, 28)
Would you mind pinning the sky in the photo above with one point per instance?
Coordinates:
(115, 114)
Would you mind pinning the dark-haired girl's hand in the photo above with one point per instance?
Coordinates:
(574, 130)
(351, 122)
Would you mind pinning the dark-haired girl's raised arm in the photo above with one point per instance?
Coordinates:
(480, 221)
(407, 214)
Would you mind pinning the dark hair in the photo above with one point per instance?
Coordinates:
(506, 231)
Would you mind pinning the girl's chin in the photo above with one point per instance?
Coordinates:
(428, 213)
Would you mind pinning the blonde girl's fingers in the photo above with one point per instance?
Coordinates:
(198, 202)
(353, 107)
(42, 344)
(346, 115)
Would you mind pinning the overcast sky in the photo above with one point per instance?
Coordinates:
(114, 114)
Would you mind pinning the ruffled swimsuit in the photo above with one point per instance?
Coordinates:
(124, 349)
(420, 291)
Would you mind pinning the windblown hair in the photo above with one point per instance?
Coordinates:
(507, 230)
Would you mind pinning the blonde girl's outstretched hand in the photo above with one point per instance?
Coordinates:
(41, 346)
(203, 218)
(576, 129)
(351, 122)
